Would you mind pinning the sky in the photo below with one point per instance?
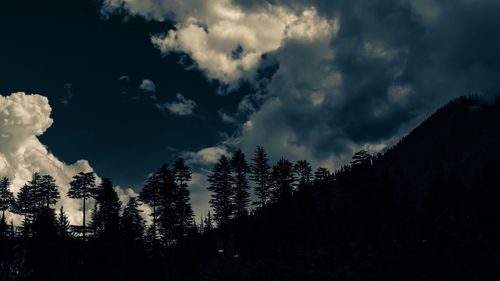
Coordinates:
(121, 86)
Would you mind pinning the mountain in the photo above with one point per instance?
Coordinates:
(426, 209)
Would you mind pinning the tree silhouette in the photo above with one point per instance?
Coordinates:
(24, 207)
(167, 212)
(151, 194)
(240, 169)
(303, 173)
(7, 199)
(82, 187)
(260, 169)
(132, 224)
(108, 210)
(183, 210)
(283, 180)
(63, 224)
(208, 223)
(36, 195)
(222, 192)
(48, 191)
(322, 175)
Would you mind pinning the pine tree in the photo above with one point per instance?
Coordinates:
(151, 194)
(7, 199)
(322, 175)
(222, 192)
(283, 180)
(108, 210)
(82, 187)
(62, 224)
(361, 158)
(132, 224)
(183, 209)
(240, 169)
(24, 207)
(260, 169)
(167, 213)
(48, 191)
(303, 173)
(35, 191)
(208, 224)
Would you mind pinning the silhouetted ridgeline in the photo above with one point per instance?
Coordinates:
(427, 209)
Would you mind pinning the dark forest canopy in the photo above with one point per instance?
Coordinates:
(426, 209)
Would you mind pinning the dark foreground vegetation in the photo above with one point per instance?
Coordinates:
(426, 209)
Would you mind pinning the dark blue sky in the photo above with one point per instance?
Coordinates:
(44, 47)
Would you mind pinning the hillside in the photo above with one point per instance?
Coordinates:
(427, 209)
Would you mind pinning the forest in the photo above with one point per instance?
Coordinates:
(427, 208)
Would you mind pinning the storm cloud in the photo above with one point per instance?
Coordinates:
(367, 74)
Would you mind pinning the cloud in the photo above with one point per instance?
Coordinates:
(24, 118)
(346, 74)
(147, 86)
(206, 156)
(226, 41)
(181, 106)
(226, 117)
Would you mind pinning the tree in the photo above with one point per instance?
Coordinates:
(62, 224)
(151, 195)
(82, 187)
(132, 224)
(322, 175)
(48, 191)
(222, 192)
(7, 199)
(36, 198)
(160, 193)
(303, 172)
(240, 169)
(208, 224)
(283, 180)
(24, 207)
(261, 175)
(168, 221)
(361, 159)
(183, 209)
(108, 210)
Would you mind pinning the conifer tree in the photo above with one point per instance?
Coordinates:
(132, 224)
(321, 175)
(208, 223)
(303, 173)
(24, 207)
(260, 169)
(183, 209)
(82, 186)
(7, 199)
(240, 169)
(48, 191)
(151, 194)
(108, 210)
(62, 224)
(283, 180)
(222, 192)
(167, 213)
